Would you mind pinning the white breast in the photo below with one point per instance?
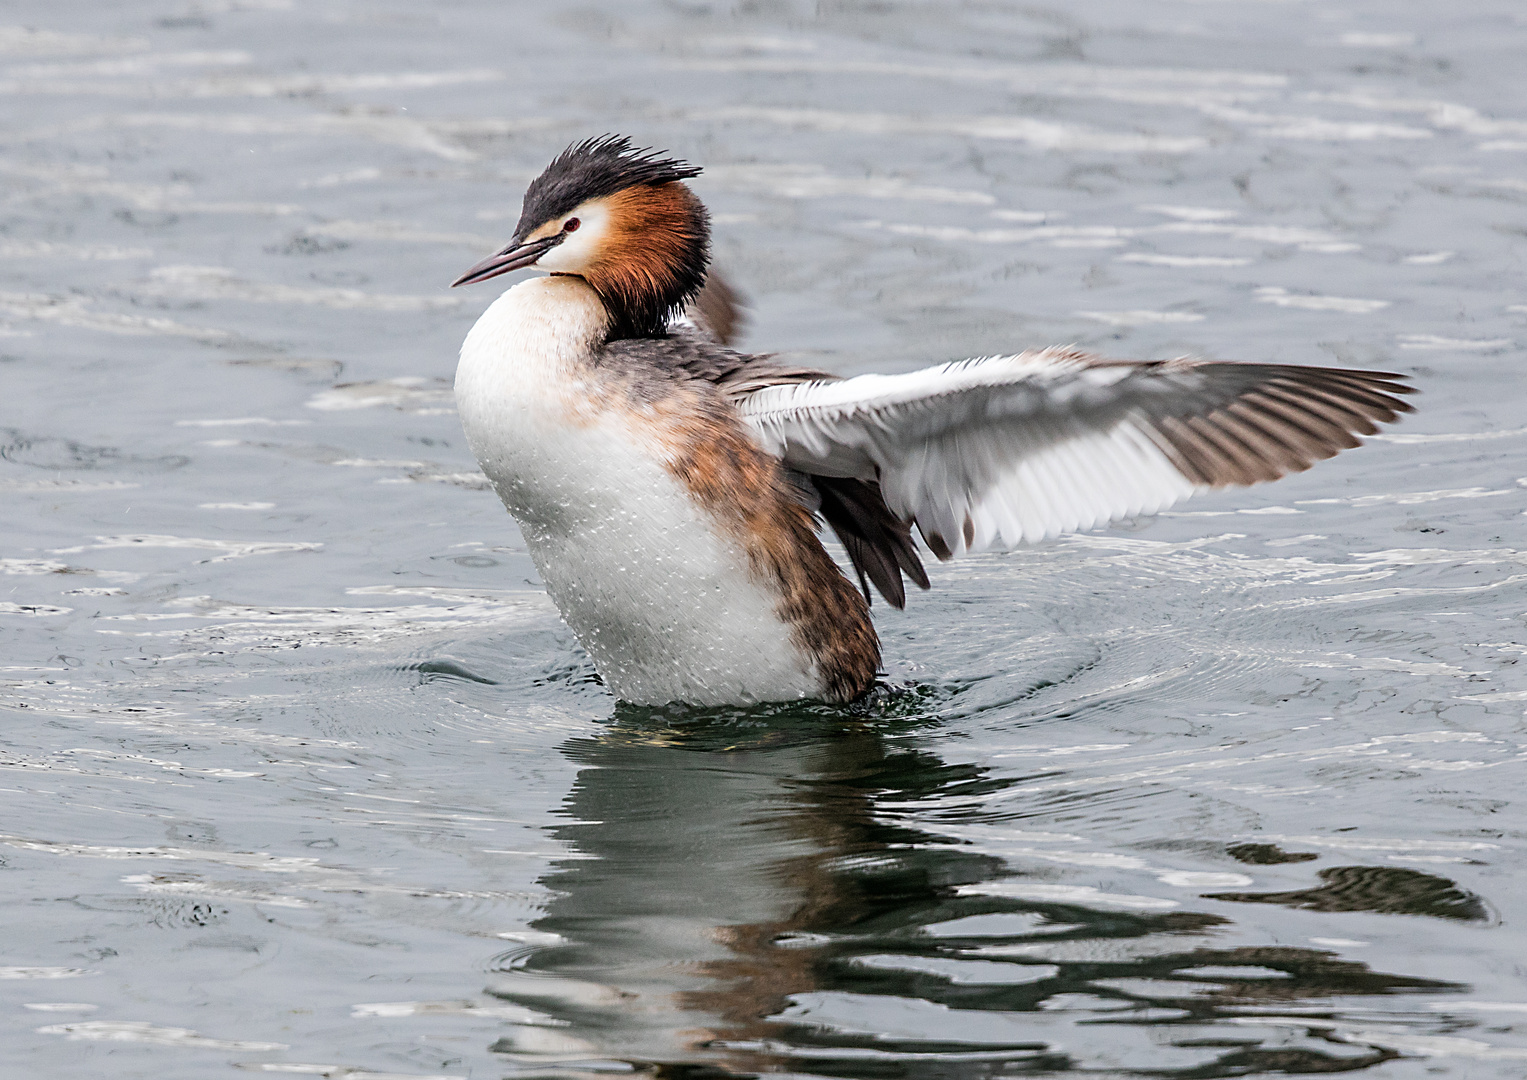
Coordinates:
(657, 594)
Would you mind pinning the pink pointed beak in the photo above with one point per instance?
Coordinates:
(516, 256)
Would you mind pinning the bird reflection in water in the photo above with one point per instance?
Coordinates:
(748, 896)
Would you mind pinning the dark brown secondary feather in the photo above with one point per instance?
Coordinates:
(879, 544)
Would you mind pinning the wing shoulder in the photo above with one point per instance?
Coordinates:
(687, 354)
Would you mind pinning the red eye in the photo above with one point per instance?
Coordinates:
(571, 225)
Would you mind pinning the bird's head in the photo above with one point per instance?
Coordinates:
(620, 218)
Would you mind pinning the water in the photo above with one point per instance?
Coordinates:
(303, 775)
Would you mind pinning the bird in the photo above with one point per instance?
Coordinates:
(671, 490)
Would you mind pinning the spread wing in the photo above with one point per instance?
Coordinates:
(994, 452)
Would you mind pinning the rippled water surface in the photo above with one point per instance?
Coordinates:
(303, 775)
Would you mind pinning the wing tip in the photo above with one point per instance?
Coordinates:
(1281, 424)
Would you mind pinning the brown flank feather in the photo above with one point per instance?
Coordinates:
(745, 490)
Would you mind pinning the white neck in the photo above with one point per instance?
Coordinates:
(543, 326)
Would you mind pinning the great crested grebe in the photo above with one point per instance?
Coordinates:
(670, 489)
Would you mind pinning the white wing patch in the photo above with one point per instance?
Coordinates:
(1015, 464)
(1073, 485)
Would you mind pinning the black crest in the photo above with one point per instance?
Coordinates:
(593, 169)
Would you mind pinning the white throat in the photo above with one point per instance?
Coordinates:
(545, 323)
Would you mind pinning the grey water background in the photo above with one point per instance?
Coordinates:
(302, 774)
